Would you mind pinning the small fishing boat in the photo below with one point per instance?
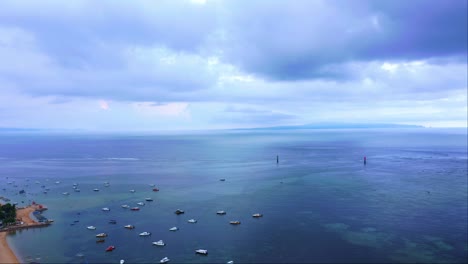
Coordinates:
(164, 260)
(230, 262)
(235, 222)
(155, 190)
(178, 212)
(66, 193)
(57, 182)
(101, 235)
(222, 179)
(220, 212)
(141, 203)
(96, 190)
(201, 251)
(77, 190)
(149, 199)
(91, 228)
(257, 215)
(159, 243)
(132, 191)
(105, 209)
(122, 261)
(113, 222)
(129, 226)
(110, 248)
(192, 221)
(145, 234)
(100, 241)
(125, 206)
(173, 229)
(135, 208)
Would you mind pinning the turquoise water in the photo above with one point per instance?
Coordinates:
(320, 203)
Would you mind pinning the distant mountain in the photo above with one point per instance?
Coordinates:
(15, 129)
(332, 126)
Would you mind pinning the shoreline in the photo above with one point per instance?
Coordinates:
(7, 255)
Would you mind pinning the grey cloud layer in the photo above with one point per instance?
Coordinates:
(291, 57)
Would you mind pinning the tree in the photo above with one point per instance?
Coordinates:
(8, 213)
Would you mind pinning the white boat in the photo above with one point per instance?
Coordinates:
(192, 221)
(145, 234)
(129, 226)
(221, 212)
(125, 206)
(141, 203)
(105, 209)
(173, 229)
(149, 199)
(91, 227)
(152, 185)
(257, 215)
(230, 262)
(159, 243)
(101, 235)
(57, 182)
(66, 193)
(122, 261)
(164, 260)
(201, 251)
(96, 190)
(235, 222)
(132, 191)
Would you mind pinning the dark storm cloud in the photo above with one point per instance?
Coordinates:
(312, 39)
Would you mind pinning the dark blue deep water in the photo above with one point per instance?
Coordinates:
(320, 203)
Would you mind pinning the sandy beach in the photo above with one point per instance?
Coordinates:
(6, 254)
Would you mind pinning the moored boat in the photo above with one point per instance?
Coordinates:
(145, 234)
(135, 208)
(149, 199)
(173, 229)
(110, 248)
(201, 251)
(257, 215)
(91, 227)
(129, 226)
(235, 222)
(192, 221)
(159, 243)
(164, 260)
(221, 212)
(178, 212)
(101, 235)
(105, 209)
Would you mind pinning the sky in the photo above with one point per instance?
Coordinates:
(113, 65)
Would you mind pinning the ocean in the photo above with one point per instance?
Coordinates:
(320, 203)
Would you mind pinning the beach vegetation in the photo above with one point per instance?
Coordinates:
(7, 214)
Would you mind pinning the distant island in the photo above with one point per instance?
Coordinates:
(332, 126)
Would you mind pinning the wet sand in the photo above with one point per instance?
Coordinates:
(6, 254)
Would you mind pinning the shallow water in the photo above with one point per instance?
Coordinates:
(320, 203)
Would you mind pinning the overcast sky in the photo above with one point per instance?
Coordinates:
(158, 65)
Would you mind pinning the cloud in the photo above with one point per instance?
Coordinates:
(222, 63)
(312, 39)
